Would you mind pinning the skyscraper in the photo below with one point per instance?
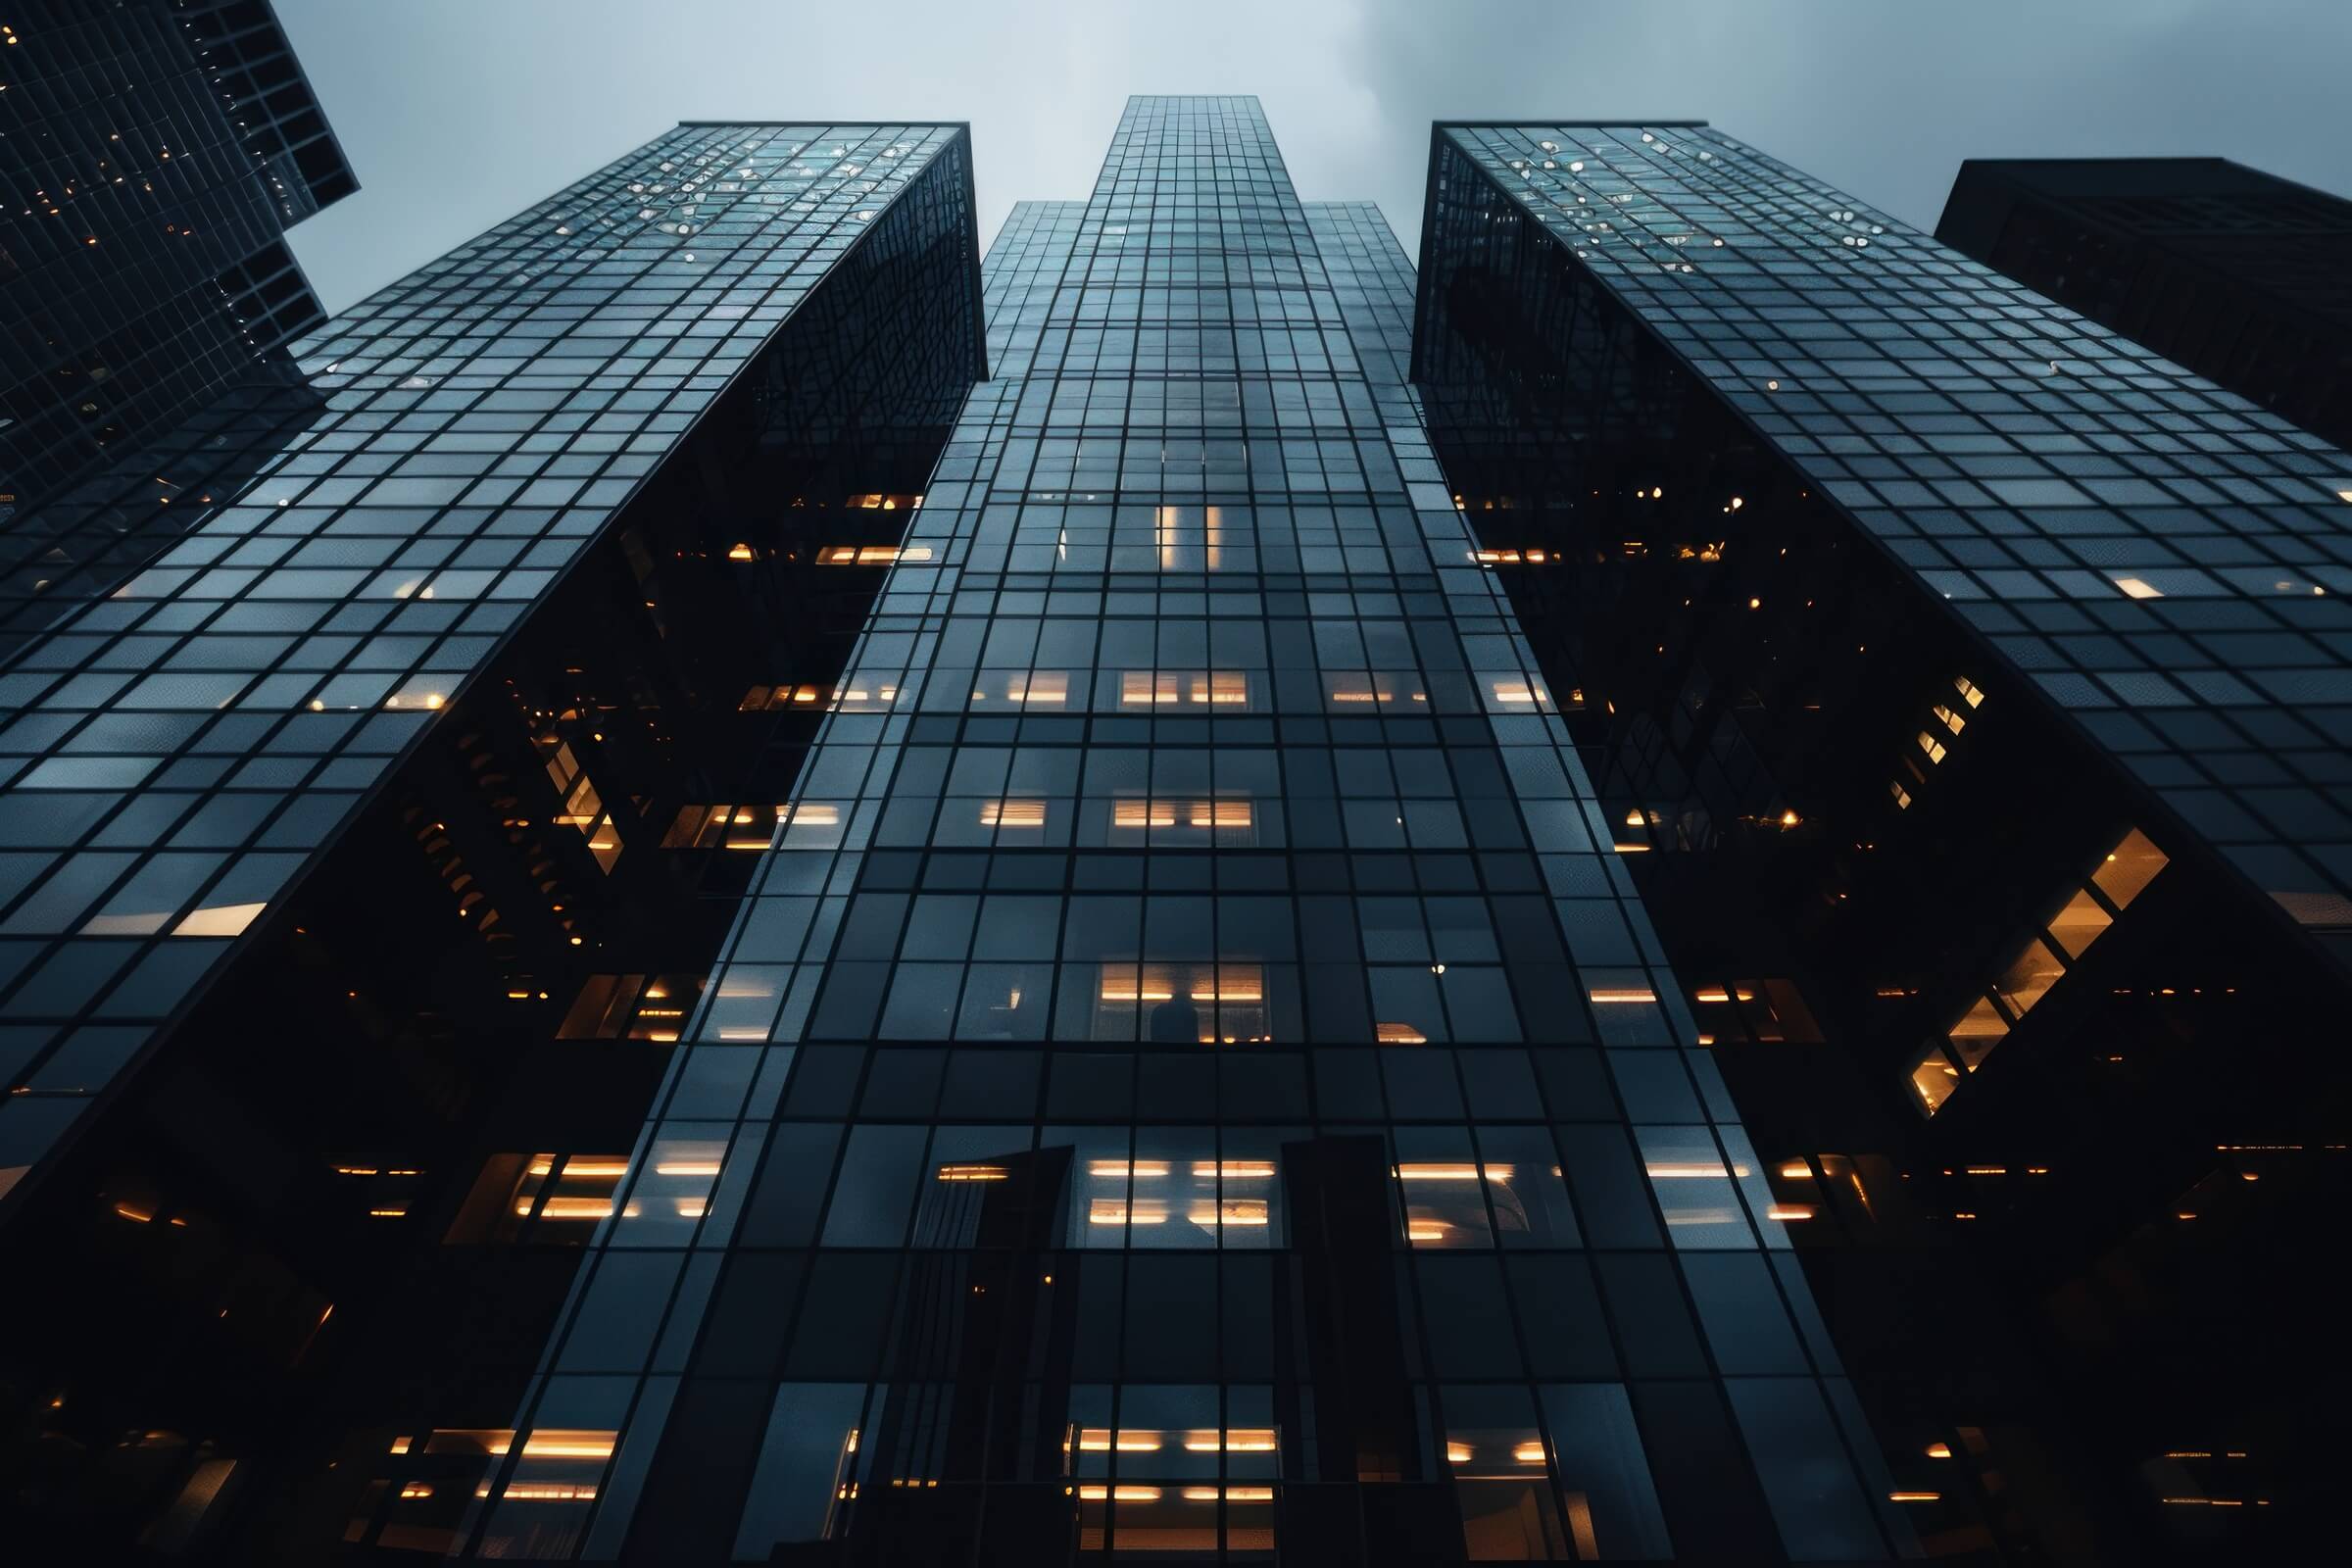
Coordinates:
(773, 896)
(2233, 273)
(157, 154)
(1148, 1086)
(361, 788)
(1965, 684)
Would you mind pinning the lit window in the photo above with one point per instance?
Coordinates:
(219, 920)
(1517, 694)
(1137, 815)
(1354, 689)
(1149, 689)
(770, 698)
(871, 555)
(1049, 686)
(1978, 1030)
(2028, 977)
(1182, 1004)
(1933, 1081)
(2130, 866)
(2077, 926)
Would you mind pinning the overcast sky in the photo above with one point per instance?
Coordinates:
(459, 113)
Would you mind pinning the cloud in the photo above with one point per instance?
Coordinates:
(458, 113)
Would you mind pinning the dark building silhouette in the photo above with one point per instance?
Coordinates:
(2244, 277)
(156, 152)
(1672, 891)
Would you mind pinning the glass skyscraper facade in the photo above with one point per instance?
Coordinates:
(183, 744)
(156, 153)
(1187, 1068)
(1963, 682)
(769, 894)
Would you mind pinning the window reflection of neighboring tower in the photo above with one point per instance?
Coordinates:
(982, 1331)
(1367, 1429)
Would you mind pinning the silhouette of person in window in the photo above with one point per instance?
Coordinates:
(1176, 1022)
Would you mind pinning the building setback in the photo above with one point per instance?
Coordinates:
(768, 895)
(2238, 274)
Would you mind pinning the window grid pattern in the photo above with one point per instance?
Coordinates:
(173, 755)
(135, 200)
(2168, 562)
(1192, 793)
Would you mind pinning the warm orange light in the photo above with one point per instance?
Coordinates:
(870, 554)
(1612, 995)
(1439, 1171)
(1238, 1441)
(1398, 1034)
(554, 1443)
(1012, 814)
(1144, 687)
(1122, 1167)
(1099, 1440)
(1528, 1452)
(973, 1173)
(1038, 686)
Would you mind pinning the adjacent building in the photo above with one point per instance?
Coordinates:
(339, 836)
(769, 895)
(156, 153)
(2235, 273)
(1963, 685)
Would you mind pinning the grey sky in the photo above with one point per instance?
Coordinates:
(458, 113)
